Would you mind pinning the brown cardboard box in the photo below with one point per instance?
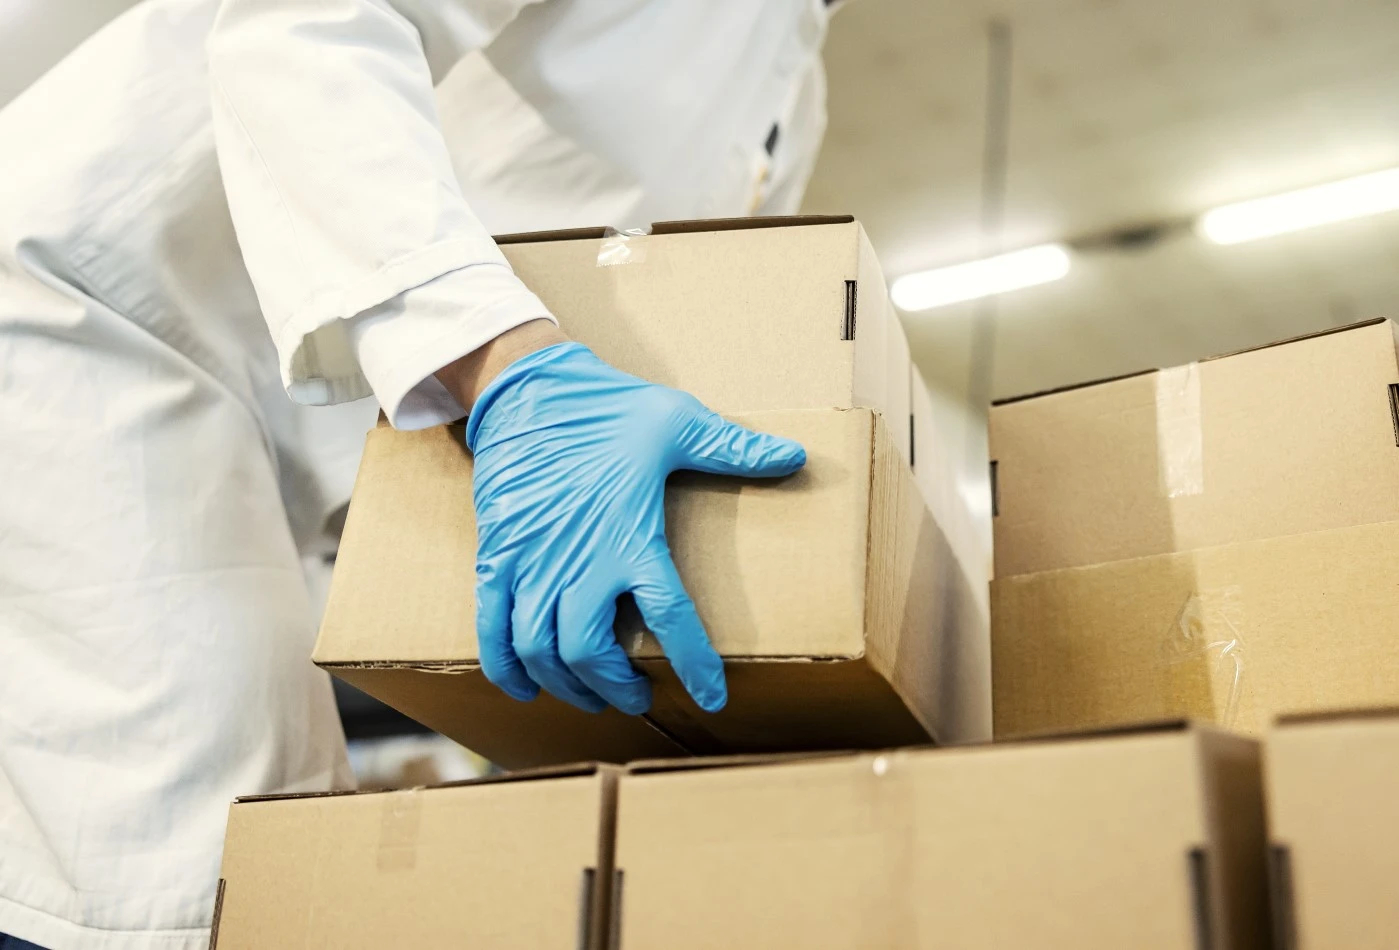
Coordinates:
(1262, 585)
(520, 861)
(848, 615)
(1151, 840)
(1333, 821)
(821, 591)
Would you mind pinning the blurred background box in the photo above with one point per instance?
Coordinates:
(1213, 541)
(1333, 824)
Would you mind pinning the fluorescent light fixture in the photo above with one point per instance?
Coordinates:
(1295, 210)
(927, 289)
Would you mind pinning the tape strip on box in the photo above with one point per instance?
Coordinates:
(1179, 436)
(622, 247)
(1203, 652)
(400, 819)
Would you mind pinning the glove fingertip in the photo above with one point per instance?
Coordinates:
(778, 456)
(715, 698)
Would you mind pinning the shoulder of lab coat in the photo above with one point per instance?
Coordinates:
(340, 184)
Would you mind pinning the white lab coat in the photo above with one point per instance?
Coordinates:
(154, 623)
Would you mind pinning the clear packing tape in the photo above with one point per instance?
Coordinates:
(1203, 648)
(620, 246)
(1203, 651)
(1179, 435)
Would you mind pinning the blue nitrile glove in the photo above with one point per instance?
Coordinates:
(571, 459)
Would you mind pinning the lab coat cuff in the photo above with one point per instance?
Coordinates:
(402, 343)
(313, 339)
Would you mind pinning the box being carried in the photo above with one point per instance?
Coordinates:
(847, 614)
(1216, 540)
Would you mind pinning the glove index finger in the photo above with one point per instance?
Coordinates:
(712, 444)
(670, 614)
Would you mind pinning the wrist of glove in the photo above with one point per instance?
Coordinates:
(571, 459)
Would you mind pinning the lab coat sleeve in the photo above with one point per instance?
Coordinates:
(341, 189)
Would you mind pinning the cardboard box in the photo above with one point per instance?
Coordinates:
(1213, 541)
(518, 861)
(819, 590)
(847, 614)
(1333, 822)
(1152, 839)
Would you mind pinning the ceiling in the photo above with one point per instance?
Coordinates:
(1123, 112)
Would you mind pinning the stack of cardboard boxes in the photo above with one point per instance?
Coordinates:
(1151, 837)
(1209, 543)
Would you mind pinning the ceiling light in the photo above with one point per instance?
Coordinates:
(1295, 210)
(927, 289)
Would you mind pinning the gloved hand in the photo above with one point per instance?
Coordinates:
(571, 459)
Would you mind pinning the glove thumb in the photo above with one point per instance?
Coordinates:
(712, 444)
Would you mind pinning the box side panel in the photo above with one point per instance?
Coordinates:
(1077, 478)
(880, 383)
(1232, 773)
(1053, 845)
(405, 575)
(745, 320)
(776, 567)
(466, 708)
(1331, 806)
(788, 706)
(1234, 635)
(951, 469)
(1296, 438)
(492, 865)
(926, 631)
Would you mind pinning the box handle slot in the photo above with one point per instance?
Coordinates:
(847, 324)
(1200, 899)
(614, 926)
(995, 490)
(1394, 409)
(586, 888)
(1280, 884)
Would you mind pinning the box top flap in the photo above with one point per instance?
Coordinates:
(1208, 359)
(541, 773)
(690, 226)
(654, 766)
(1337, 715)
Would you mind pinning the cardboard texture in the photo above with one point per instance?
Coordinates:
(491, 864)
(1210, 541)
(1151, 840)
(1333, 822)
(833, 594)
(836, 583)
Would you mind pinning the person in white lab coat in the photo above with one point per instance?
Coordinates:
(199, 172)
